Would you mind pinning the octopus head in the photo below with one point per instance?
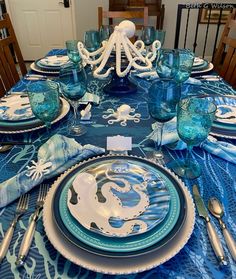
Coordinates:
(124, 110)
(128, 27)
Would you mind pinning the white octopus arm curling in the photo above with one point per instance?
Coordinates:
(156, 45)
(105, 57)
(85, 54)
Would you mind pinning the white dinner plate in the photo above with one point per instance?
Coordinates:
(32, 124)
(110, 265)
(41, 71)
(208, 69)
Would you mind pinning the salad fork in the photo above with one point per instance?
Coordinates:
(22, 206)
(28, 236)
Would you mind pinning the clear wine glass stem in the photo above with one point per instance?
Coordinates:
(75, 106)
(158, 141)
(188, 155)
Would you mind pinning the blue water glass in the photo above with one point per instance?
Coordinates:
(194, 120)
(105, 32)
(164, 95)
(92, 40)
(160, 36)
(44, 100)
(168, 63)
(73, 86)
(72, 51)
(186, 59)
(148, 35)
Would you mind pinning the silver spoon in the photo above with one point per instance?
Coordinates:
(217, 210)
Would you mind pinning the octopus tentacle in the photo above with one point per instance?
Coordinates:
(107, 54)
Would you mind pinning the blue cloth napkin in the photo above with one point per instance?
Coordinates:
(170, 138)
(54, 157)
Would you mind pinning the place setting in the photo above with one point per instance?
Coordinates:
(133, 222)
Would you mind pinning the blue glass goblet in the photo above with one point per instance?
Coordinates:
(168, 63)
(72, 51)
(160, 36)
(148, 36)
(44, 100)
(164, 95)
(92, 40)
(73, 85)
(186, 59)
(105, 32)
(194, 120)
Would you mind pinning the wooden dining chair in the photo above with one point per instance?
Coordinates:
(225, 57)
(11, 60)
(133, 15)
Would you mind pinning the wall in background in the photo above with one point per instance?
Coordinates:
(87, 19)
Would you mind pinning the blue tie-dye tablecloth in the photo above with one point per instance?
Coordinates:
(195, 260)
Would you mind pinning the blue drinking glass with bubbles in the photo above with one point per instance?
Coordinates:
(194, 120)
(72, 51)
(186, 59)
(44, 100)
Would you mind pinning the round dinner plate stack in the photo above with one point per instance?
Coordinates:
(16, 115)
(201, 66)
(224, 124)
(118, 214)
(49, 64)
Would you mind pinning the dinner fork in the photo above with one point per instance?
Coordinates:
(28, 236)
(22, 206)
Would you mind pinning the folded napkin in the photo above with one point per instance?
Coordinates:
(54, 157)
(54, 60)
(224, 150)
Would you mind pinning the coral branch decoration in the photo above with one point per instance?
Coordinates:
(119, 42)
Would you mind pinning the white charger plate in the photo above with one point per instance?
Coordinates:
(110, 265)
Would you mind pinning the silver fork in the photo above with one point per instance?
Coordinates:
(29, 234)
(22, 206)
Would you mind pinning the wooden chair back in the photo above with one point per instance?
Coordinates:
(10, 56)
(141, 14)
(225, 57)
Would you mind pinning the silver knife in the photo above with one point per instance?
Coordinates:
(214, 239)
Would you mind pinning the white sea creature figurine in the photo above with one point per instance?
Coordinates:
(86, 113)
(122, 115)
(38, 169)
(120, 43)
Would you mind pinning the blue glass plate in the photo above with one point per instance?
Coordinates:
(203, 66)
(120, 246)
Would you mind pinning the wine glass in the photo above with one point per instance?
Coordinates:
(72, 51)
(105, 32)
(44, 100)
(164, 95)
(186, 59)
(73, 85)
(194, 121)
(168, 63)
(160, 36)
(92, 40)
(148, 35)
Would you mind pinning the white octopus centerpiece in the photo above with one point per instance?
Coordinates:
(119, 41)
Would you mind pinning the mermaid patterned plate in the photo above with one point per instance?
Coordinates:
(163, 193)
(15, 108)
(123, 198)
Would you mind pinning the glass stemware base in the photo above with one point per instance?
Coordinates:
(191, 170)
